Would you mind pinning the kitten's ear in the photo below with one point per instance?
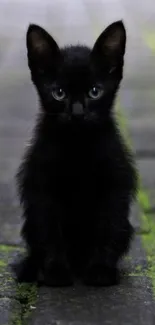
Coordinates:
(41, 46)
(111, 43)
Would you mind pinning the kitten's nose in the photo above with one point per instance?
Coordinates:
(77, 109)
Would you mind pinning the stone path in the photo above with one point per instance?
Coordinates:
(131, 303)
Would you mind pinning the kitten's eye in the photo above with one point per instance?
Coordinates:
(58, 94)
(95, 93)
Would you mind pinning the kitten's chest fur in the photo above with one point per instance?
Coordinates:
(79, 174)
(81, 159)
(78, 165)
(77, 158)
(75, 162)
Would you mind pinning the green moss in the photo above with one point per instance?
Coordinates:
(136, 274)
(144, 200)
(147, 220)
(27, 295)
(138, 268)
(10, 248)
(121, 120)
(16, 319)
(128, 258)
(145, 225)
(149, 39)
(149, 245)
(2, 263)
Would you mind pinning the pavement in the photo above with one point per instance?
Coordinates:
(133, 301)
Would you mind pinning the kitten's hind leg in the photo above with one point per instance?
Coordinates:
(27, 269)
(52, 272)
(46, 235)
(56, 273)
(113, 235)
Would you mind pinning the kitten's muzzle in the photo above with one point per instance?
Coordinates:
(77, 110)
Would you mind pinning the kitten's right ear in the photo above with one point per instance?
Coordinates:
(111, 43)
(42, 48)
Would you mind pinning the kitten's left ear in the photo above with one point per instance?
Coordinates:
(111, 43)
(41, 47)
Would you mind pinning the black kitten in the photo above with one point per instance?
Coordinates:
(77, 180)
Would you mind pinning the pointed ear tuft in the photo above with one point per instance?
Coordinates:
(40, 45)
(112, 41)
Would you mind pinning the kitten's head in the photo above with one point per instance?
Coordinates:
(77, 83)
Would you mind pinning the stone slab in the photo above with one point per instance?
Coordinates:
(10, 311)
(16, 300)
(130, 303)
(10, 225)
(10, 211)
(8, 255)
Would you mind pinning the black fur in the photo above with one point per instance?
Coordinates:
(77, 179)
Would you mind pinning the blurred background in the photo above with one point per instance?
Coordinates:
(69, 21)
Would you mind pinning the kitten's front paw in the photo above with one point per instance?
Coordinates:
(57, 275)
(99, 275)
